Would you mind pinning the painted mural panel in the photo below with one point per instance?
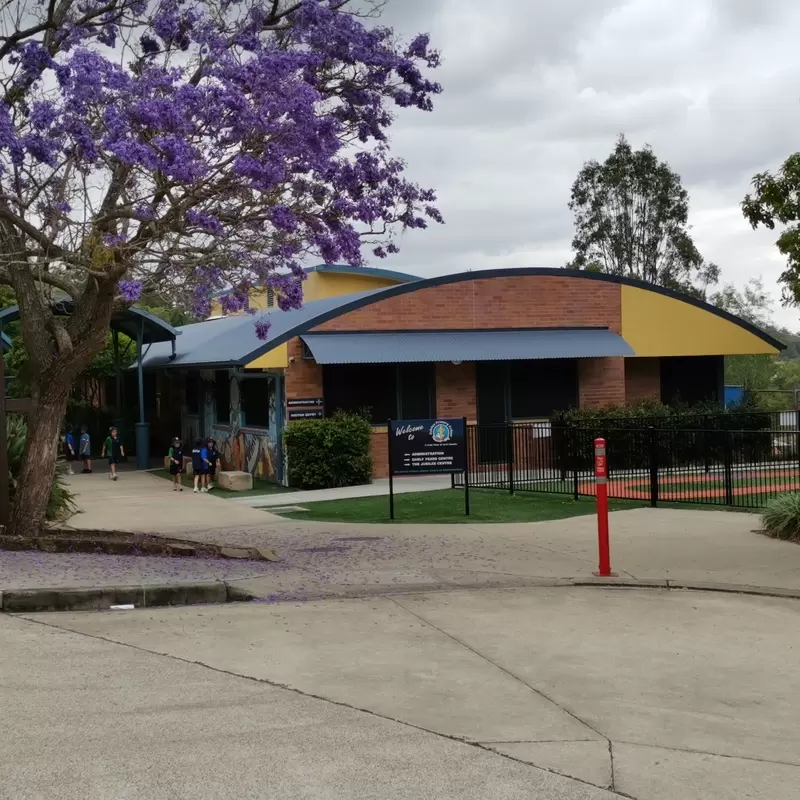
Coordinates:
(253, 450)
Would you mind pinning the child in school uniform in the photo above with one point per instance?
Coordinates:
(113, 447)
(85, 450)
(200, 466)
(213, 460)
(176, 464)
(69, 450)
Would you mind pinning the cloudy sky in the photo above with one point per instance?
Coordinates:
(532, 90)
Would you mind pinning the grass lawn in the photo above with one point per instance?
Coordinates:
(259, 486)
(447, 505)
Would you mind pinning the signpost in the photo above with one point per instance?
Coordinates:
(427, 447)
(305, 408)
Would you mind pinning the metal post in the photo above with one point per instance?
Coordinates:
(601, 490)
(118, 376)
(653, 468)
(466, 471)
(728, 468)
(510, 456)
(142, 428)
(572, 448)
(391, 479)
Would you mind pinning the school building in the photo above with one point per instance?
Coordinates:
(491, 346)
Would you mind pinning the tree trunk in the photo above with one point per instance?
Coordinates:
(38, 465)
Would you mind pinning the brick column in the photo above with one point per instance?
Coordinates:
(601, 382)
(455, 391)
(642, 379)
(303, 375)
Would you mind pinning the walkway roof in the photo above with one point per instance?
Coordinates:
(128, 322)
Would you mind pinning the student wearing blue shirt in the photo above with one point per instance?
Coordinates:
(85, 449)
(200, 466)
(69, 449)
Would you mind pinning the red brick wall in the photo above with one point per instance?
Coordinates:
(303, 376)
(642, 379)
(514, 302)
(601, 382)
(455, 391)
(379, 449)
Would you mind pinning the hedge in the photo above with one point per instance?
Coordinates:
(675, 436)
(325, 453)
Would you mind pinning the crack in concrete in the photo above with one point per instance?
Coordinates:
(311, 695)
(672, 748)
(500, 667)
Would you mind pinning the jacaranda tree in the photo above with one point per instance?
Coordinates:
(186, 147)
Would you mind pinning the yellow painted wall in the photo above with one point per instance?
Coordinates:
(656, 325)
(278, 358)
(319, 285)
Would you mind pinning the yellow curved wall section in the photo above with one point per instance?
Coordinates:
(656, 325)
(272, 359)
(317, 286)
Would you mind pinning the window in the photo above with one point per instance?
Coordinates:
(192, 394)
(270, 298)
(538, 388)
(254, 394)
(222, 397)
(416, 391)
(386, 391)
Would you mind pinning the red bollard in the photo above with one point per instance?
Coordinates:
(601, 489)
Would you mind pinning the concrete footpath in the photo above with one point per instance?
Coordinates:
(558, 693)
(378, 488)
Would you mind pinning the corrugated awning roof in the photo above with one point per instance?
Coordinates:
(490, 345)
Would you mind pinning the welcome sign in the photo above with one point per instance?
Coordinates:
(427, 446)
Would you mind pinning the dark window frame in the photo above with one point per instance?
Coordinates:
(222, 379)
(245, 386)
(391, 378)
(192, 394)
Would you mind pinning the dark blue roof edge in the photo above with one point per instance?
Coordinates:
(375, 272)
(11, 314)
(506, 272)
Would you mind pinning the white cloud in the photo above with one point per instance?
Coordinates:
(533, 90)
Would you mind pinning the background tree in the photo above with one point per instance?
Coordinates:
(776, 201)
(761, 372)
(631, 216)
(183, 148)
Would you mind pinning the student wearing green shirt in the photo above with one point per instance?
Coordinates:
(113, 448)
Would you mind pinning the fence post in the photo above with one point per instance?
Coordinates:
(564, 453)
(573, 448)
(728, 468)
(797, 438)
(653, 467)
(510, 456)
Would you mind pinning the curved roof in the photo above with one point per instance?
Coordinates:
(233, 341)
(128, 322)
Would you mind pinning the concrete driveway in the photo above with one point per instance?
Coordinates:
(651, 694)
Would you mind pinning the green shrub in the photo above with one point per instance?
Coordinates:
(781, 517)
(324, 453)
(60, 503)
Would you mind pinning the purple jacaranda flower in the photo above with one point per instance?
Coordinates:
(131, 291)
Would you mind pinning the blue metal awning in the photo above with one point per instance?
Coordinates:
(490, 345)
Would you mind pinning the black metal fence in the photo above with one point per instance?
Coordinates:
(706, 466)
